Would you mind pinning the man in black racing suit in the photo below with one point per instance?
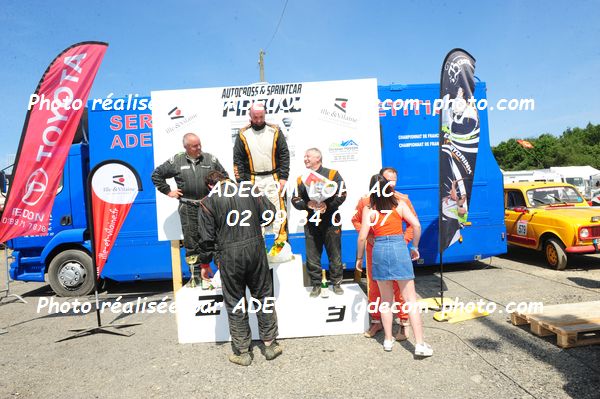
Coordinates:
(230, 232)
(189, 169)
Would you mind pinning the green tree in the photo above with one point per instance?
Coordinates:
(574, 147)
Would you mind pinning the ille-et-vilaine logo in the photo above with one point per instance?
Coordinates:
(341, 104)
(175, 113)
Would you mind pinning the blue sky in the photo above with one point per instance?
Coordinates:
(543, 50)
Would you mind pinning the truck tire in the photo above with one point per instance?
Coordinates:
(555, 254)
(71, 273)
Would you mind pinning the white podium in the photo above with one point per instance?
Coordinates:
(201, 314)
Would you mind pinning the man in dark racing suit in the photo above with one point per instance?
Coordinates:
(230, 232)
(189, 169)
(325, 230)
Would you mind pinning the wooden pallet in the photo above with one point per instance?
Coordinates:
(574, 324)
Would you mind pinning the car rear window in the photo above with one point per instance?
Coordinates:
(553, 195)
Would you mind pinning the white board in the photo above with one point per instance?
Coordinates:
(338, 117)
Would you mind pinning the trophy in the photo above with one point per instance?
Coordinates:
(195, 280)
(287, 122)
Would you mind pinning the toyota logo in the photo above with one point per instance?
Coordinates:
(35, 187)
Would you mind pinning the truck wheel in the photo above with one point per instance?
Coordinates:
(71, 273)
(555, 254)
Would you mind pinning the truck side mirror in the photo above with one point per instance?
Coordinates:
(3, 183)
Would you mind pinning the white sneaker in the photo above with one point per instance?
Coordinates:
(423, 350)
(388, 345)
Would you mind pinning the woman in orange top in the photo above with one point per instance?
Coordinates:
(391, 258)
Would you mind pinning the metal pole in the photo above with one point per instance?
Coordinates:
(261, 64)
(2, 330)
(442, 281)
(7, 288)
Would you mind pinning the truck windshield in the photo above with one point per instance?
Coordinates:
(576, 181)
(553, 195)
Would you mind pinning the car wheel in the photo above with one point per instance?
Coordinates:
(555, 254)
(71, 273)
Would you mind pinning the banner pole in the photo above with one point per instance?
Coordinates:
(90, 219)
(98, 318)
(441, 281)
(440, 195)
(7, 287)
(440, 244)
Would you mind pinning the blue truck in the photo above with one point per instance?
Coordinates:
(409, 141)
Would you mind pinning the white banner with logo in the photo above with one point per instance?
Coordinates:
(114, 186)
(340, 118)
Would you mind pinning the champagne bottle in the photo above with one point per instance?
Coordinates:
(324, 285)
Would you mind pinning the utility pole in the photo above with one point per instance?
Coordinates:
(261, 64)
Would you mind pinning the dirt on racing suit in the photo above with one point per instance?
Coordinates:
(230, 233)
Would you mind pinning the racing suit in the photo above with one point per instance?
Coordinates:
(262, 157)
(328, 231)
(372, 287)
(238, 248)
(189, 176)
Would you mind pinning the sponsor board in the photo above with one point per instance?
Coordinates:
(338, 117)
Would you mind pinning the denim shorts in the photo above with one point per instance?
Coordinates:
(391, 259)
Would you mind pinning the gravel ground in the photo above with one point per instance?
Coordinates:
(486, 357)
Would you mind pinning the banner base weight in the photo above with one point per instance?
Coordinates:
(108, 329)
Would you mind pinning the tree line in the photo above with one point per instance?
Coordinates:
(574, 147)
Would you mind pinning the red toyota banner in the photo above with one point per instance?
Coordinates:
(113, 188)
(52, 118)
